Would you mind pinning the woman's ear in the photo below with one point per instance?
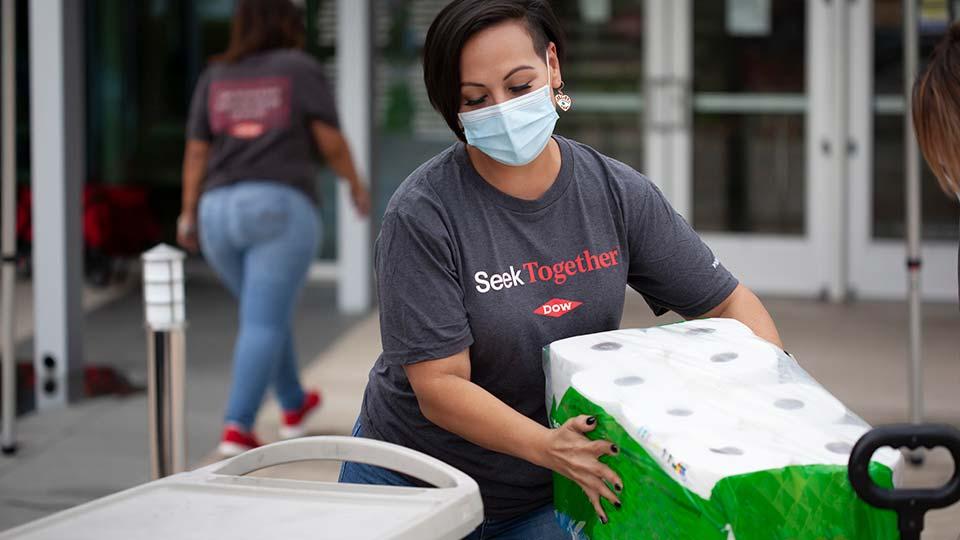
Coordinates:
(553, 64)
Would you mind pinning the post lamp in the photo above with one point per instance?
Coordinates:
(165, 313)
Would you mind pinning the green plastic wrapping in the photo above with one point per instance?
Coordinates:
(809, 502)
(799, 502)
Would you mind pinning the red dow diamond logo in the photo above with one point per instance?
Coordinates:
(557, 307)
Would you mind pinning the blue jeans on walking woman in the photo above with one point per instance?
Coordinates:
(261, 237)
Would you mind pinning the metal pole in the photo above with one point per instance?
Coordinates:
(681, 105)
(8, 244)
(912, 174)
(165, 395)
(156, 399)
(177, 379)
(841, 108)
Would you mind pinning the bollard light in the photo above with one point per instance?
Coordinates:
(163, 295)
(165, 313)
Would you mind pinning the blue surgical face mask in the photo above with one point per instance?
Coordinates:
(513, 132)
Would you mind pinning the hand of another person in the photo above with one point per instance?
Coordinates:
(361, 198)
(187, 233)
(573, 455)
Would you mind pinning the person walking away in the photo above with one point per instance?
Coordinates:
(262, 114)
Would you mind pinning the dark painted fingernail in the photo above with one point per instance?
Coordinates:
(592, 420)
(618, 487)
(603, 520)
(614, 449)
(616, 505)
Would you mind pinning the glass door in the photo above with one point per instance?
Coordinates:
(603, 72)
(755, 163)
(877, 172)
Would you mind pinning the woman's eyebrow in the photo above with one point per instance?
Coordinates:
(507, 76)
(516, 69)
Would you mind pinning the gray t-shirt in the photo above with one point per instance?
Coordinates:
(462, 265)
(256, 113)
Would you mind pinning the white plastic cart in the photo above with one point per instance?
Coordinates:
(219, 501)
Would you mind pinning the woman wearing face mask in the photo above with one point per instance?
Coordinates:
(936, 114)
(508, 240)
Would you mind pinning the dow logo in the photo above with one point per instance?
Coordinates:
(557, 307)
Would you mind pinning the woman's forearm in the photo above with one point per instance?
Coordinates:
(464, 408)
(194, 169)
(335, 151)
(745, 307)
(342, 163)
(448, 398)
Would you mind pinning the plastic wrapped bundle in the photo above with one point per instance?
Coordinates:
(722, 436)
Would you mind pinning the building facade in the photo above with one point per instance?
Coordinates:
(776, 127)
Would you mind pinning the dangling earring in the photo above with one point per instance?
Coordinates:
(563, 101)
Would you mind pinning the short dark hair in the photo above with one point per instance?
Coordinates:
(262, 25)
(459, 21)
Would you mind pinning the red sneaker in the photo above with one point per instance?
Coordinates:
(236, 442)
(293, 420)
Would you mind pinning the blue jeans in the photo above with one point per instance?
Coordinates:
(260, 238)
(539, 524)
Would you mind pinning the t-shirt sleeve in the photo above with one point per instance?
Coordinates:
(198, 125)
(670, 265)
(422, 314)
(314, 94)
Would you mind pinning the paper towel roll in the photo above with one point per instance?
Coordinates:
(753, 363)
(795, 404)
(707, 327)
(570, 356)
(586, 352)
(826, 444)
(855, 427)
(700, 461)
(839, 442)
(610, 388)
(721, 347)
(666, 412)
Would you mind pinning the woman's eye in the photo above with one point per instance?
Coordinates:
(473, 102)
(520, 88)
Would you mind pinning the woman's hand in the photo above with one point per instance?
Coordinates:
(361, 197)
(448, 398)
(187, 233)
(573, 455)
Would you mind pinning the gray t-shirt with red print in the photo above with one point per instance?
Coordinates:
(462, 265)
(256, 114)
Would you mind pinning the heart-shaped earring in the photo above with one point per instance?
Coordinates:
(563, 101)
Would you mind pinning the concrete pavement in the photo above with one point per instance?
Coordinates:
(857, 351)
(99, 446)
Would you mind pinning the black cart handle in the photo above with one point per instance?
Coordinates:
(909, 504)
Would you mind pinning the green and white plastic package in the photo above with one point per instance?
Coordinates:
(721, 434)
